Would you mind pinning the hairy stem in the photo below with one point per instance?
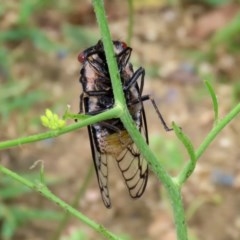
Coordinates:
(114, 112)
(43, 190)
(189, 168)
(171, 186)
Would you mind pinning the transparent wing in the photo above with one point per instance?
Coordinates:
(133, 166)
(134, 169)
(100, 163)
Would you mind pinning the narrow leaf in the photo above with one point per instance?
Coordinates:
(188, 145)
(214, 100)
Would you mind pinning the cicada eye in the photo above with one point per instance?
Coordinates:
(81, 57)
(124, 45)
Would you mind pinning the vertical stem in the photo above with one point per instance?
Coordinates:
(170, 185)
(110, 55)
(178, 213)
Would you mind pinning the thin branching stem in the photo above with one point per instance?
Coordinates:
(44, 191)
(41, 188)
(169, 183)
(116, 111)
(110, 56)
(171, 186)
(189, 168)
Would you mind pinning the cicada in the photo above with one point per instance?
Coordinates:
(109, 139)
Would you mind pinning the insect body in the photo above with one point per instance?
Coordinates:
(109, 139)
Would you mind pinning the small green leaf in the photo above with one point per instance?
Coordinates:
(8, 228)
(214, 100)
(186, 142)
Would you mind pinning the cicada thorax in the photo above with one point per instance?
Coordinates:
(96, 83)
(92, 77)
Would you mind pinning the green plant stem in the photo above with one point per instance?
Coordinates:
(74, 204)
(171, 186)
(190, 166)
(110, 55)
(43, 190)
(214, 100)
(116, 111)
(189, 147)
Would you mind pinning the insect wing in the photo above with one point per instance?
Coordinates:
(132, 164)
(134, 169)
(117, 143)
(100, 164)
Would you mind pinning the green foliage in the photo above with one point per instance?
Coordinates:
(168, 152)
(76, 235)
(236, 92)
(4, 64)
(36, 36)
(214, 100)
(79, 36)
(10, 189)
(227, 39)
(19, 95)
(212, 3)
(12, 215)
(16, 96)
(27, 9)
(216, 3)
(25, 30)
(228, 36)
